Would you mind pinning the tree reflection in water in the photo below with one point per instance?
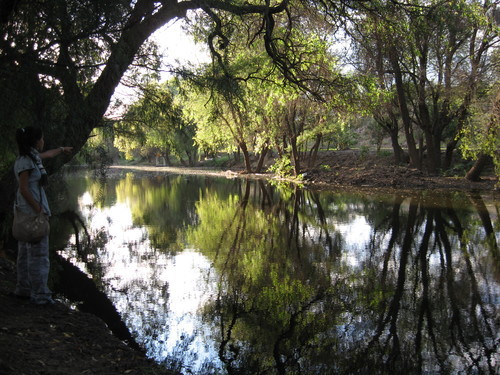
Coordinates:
(278, 287)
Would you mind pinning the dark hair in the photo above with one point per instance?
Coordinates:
(26, 139)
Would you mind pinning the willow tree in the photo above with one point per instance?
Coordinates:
(249, 97)
(154, 126)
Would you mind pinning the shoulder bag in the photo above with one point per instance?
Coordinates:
(29, 227)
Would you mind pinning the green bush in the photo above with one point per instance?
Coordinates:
(282, 167)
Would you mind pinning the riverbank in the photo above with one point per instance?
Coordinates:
(341, 169)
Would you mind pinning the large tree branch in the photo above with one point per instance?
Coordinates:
(144, 20)
(246, 8)
(124, 51)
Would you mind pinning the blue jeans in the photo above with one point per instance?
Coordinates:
(33, 271)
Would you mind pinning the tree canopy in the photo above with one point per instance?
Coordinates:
(62, 60)
(416, 67)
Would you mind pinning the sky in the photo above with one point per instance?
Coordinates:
(176, 44)
(177, 47)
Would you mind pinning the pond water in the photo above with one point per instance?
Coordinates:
(235, 276)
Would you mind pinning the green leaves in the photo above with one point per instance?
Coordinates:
(155, 124)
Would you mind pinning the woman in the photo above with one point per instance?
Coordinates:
(33, 258)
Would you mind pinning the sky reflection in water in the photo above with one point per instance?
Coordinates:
(217, 276)
(159, 295)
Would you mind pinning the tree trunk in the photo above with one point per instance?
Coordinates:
(448, 156)
(433, 152)
(405, 113)
(474, 174)
(279, 148)
(396, 147)
(237, 155)
(314, 151)
(246, 157)
(262, 157)
(193, 157)
(86, 114)
(166, 155)
(295, 156)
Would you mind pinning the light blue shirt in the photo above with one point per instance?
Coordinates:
(25, 163)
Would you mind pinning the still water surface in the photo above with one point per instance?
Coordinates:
(219, 276)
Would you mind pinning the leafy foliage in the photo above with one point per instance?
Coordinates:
(481, 136)
(279, 78)
(155, 126)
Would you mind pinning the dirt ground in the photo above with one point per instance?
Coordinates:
(59, 340)
(351, 168)
(56, 339)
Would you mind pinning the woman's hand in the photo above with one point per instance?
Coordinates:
(66, 150)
